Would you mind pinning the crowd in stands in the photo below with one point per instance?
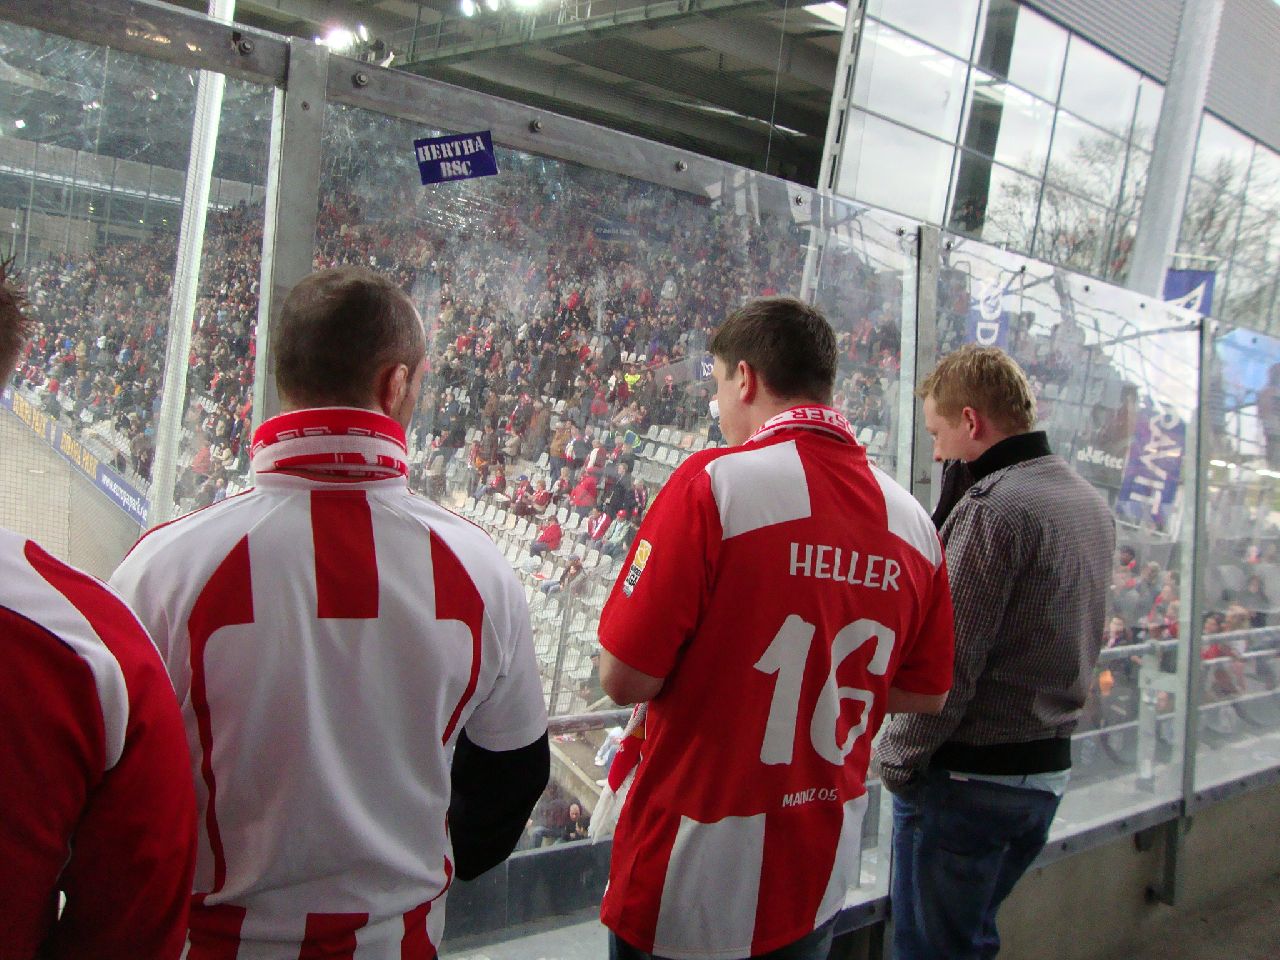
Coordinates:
(1144, 610)
(569, 318)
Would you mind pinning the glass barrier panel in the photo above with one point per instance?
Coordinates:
(1239, 726)
(88, 125)
(1112, 373)
(217, 422)
(568, 312)
(865, 275)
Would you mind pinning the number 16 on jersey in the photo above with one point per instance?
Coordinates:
(786, 656)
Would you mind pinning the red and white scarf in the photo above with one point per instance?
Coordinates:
(807, 417)
(342, 443)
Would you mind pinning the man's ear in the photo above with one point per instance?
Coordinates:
(973, 423)
(393, 385)
(748, 382)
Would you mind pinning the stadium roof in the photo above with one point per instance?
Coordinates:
(742, 80)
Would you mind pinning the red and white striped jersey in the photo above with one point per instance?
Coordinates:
(781, 588)
(328, 640)
(95, 784)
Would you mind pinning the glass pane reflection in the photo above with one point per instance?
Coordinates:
(947, 25)
(875, 157)
(1072, 231)
(1222, 155)
(1099, 88)
(1085, 160)
(909, 81)
(994, 203)
(1008, 124)
(1023, 46)
(1209, 221)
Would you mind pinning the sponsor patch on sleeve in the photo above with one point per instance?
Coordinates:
(638, 562)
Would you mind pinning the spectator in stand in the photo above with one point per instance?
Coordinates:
(562, 486)
(597, 461)
(1254, 599)
(541, 497)
(1117, 633)
(1124, 600)
(584, 494)
(620, 495)
(1149, 584)
(523, 488)
(549, 539)
(477, 468)
(1220, 679)
(1127, 560)
(559, 443)
(617, 540)
(538, 433)
(579, 825)
(496, 484)
(522, 498)
(490, 444)
(593, 530)
(95, 783)
(578, 449)
(640, 493)
(572, 582)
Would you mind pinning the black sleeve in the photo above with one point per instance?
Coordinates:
(493, 794)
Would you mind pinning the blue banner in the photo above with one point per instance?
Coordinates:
(1153, 468)
(117, 489)
(1192, 289)
(459, 156)
(704, 366)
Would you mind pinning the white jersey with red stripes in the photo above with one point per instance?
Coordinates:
(95, 788)
(781, 588)
(328, 639)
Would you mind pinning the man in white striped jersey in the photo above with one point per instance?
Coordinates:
(355, 663)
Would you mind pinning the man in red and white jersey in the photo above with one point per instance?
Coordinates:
(782, 595)
(95, 790)
(355, 664)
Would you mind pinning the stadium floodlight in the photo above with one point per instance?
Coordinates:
(468, 8)
(362, 32)
(19, 123)
(493, 4)
(338, 39)
(525, 4)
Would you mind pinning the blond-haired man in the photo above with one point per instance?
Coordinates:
(1028, 549)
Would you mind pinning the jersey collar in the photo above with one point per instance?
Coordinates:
(811, 416)
(340, 443)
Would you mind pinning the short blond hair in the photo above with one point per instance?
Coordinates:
(987, 379)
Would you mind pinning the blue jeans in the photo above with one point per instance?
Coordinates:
(959, 846)
(814, 946)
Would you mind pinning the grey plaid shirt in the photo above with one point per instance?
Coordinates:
(1029, 552)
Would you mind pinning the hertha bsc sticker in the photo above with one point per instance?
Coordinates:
(637, 567)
